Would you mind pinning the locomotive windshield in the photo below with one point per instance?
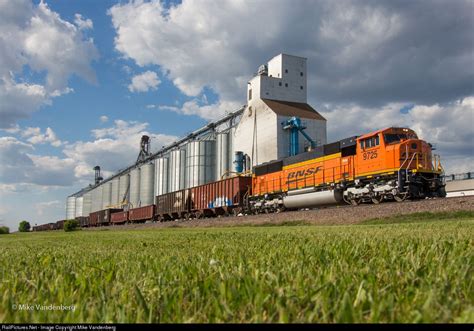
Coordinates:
(391, 138)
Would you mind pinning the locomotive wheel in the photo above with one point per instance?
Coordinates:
(280, 209)
(377, 199)
(355, 202)
(400, 197)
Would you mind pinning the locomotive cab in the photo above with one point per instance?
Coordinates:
(397, 155)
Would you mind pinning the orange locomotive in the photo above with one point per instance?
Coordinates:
(389, 164)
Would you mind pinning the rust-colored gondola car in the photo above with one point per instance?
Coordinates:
(83, 221)
(223, 197)
(120, 217)
(104, 216)
(142, 214)
(173, 205)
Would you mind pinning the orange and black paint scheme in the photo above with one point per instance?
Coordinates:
(392, 163)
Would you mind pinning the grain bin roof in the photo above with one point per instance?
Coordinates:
(293, 109)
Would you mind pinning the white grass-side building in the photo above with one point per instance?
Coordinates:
(277, 93)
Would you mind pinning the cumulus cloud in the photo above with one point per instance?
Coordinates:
(41, 207)
(366, 52)
(83, 24)
(19, 165)
(22, 169)
(144, 82)
(447, 126)
(104, 118)
(35, 136)
(37, 37)
(208, 112)
(19, 100)
(112, 148)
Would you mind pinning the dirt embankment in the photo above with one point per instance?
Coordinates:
(322, 216)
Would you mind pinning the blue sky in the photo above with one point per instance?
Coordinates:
(82, 80)
(110, 96)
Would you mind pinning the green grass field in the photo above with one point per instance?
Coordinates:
(406, 271)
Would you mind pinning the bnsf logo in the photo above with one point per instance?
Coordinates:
(304, 173)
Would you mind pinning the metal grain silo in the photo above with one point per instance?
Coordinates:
(70, 208)
(222, 154)
(134, 187)
(230, 148)
(97, 199)
(161, 176)
(79, 206)
(106, 194)
(114, 198)
(124, 188)
(177, 168)
(86, 204)
(200, 162)
(147, 184)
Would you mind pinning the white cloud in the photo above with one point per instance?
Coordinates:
(209, 112)
(35, 36)
(41, 207)
(22, 169)
(83, 24)
(144, 82)
(112, 148)
(104, 118)
(447, 126)
(35, 136)
(19, 165)
(19, 100)
(363, 52)
(12, 129)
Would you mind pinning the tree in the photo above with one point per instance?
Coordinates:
(24, 226)
(70, 225)
(4, 230)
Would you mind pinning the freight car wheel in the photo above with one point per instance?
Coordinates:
(237, 211)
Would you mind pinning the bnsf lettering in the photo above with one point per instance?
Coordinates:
(304, 172)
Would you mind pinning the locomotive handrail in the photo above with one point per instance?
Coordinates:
(406, 158)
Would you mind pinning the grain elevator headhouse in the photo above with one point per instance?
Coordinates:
(278, 121)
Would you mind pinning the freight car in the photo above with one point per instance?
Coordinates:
(142, 214)
(83, 221)
(102, 217)
(173, 205)
(220, 198)
(59, 225)
(223, 197)
(120, 217)
(388, 164)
